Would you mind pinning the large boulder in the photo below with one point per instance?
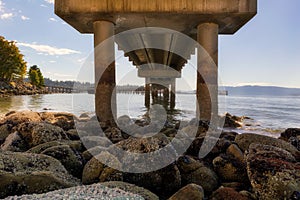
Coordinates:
(273, 172)
(146, 194)
(163, 182)
(14, 142)
(244, 141)
(5, 130)
(193, 171)
(75, 145)
(39, 133)
(290, 132)
(70, 159)
(95, 191)
(231, 166)
(225, 193)
(16, 118)
(230, 170)
(291, 135)
(95, 171)
(24, 173)
(62, 119)
(191, 192)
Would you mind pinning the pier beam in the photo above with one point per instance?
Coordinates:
(207, 76)
(173, 94)
(105, 81)
(147, 93)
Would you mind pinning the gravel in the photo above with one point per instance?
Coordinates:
(93, 192)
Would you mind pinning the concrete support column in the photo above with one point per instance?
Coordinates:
(207, 76)
(166, 94)
(147, 93)
(173, 94)
(105, 80)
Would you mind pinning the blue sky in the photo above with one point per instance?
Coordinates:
(266, 51)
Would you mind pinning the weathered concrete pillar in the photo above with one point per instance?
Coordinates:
(173, 94)
(166, 94)
(207, 79)
(105, 95)
(147, 93)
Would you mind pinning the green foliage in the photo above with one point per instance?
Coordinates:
(12, 64)
(35, 76)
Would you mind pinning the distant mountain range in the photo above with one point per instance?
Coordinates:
(262, 90)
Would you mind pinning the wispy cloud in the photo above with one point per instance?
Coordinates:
(24, 18)
(49, 50)
(6, 16)
(50, 1)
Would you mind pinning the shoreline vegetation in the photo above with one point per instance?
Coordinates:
(42, 154)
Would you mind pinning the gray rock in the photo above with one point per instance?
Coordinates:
(24, 173)
(14, 142)
(70, 159)
(146, 194)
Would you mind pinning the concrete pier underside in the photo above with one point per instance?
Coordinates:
(201, 20)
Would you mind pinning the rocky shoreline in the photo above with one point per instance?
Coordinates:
(16, 89)
(43, 152)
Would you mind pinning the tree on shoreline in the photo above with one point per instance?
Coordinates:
(35, 76)
(12, 64)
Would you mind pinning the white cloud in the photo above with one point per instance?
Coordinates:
(6, 16)
(24, 18)
(50, 1)
(43, 5)
(52, 61)
(49, 50)
(52, 19)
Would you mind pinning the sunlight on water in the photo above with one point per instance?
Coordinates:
(269, 115)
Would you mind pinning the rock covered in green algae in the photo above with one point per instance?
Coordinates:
(273, 172)
(24, 173)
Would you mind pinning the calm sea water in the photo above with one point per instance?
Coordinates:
(271, 115)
